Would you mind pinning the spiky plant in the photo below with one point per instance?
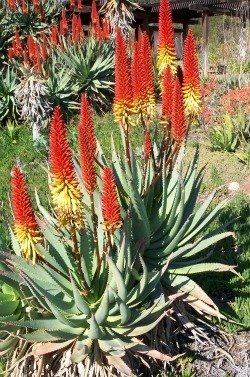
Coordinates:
(120, 243)
(91, 65)
(33, 102)
(8, 84)
(120, 14)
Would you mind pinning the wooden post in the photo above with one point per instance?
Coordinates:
(205, 42)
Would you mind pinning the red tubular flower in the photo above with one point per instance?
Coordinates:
(87, 146)
(24, 7)
(25, 58)
(54, 35)
(123, 102)
(178, 124)
(11, 4)
(44, 47)
(79, 4)
(147, 145)
(31, 47)
(26, 229)
(166, 54)
(106, 28)
(63, 22)
(80, 32)
(94, 13)
(17, 42)
(148, 76)
(11, 53)
(191, 83)
(167, 94)
(138, 80)
(36, 3)
(72, 4)
(65, 192)
(38, 59)
(86, 122)
(110, 204)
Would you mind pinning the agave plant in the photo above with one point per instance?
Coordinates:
(8, 86)
(91, 66)
(29, 22)
(90, 287)
(121, 241)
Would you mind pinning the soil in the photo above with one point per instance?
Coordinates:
(226, 356)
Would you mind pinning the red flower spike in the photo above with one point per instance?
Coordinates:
(72, 4)
(54, 35)
(17, 42)
(166, 54)
(110, 204)
(178, 124)
(11, 53)
(36, 3)
(123, 101)
(148, 75)
(24, 7)
(25, 225)
(63, 22)
(79, 5)
(167, 94)
(87, 157)
(38, 59)
(191, 82)
(31, 47)
(65, 192)
(94, 13)
(11, 4)
(25, 58)
(87, 124)
(147, 145)
(138, 80)
(44, 47)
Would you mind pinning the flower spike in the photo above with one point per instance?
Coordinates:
(123, 102)
(167, 94)
(138, 82)
(110, 204)
(148, 74)
(147, 146)
(65, 192)
(26, 229)
(87, 146)
(191, 82)
(178, 124)
(166, 55)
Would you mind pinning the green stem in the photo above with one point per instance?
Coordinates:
(93, 214)
(78, 257)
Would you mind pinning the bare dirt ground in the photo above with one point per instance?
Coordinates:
(226, 356)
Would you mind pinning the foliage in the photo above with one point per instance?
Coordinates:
(8, 86)
(224, 136)
(91, 67)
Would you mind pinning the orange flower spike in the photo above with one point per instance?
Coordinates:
(79, 5)
(86, 122)
(148, 74)
(110, 204)
(26, 229)
(54, 35)
(87, 161)
(178, 124)
(24, 7)
(44, 47)
(138, 87)
(63, 22)
(18, 42)
(147, 145)
(191, 81)
(123, 101)
(65, 192)
(166, 55)
(167, 94)
(94, 13)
